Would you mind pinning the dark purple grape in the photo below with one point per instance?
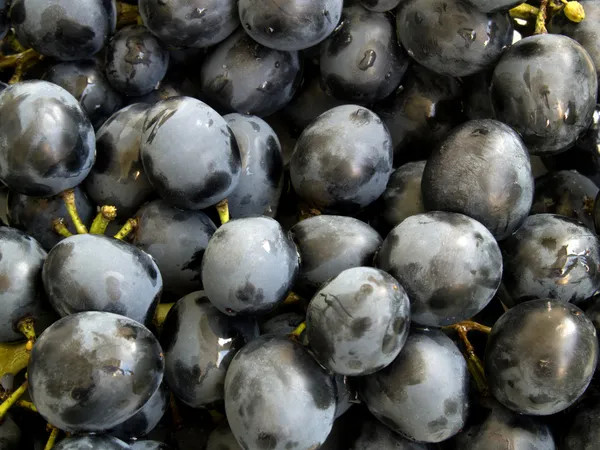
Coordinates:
(89, 272)
(4, 20)
(149, 445)
(136, 61)
(175, 84)
(292, 24)
(249, 266)
(261, 179)
(177, 239)
(21, 290)
(91, 371)
(343, 160)
(421, 113)
(199, 343)
(583, 433)
(358, 322)
(482, 169)
(34, 215)
(530, 362)
(361, 60)
(282, 324)
(533, 91)
(189, 153)
(380, 5)
(222, 439)
(145, 419)
(117, 177)
(402, 197)
(456, 39)
(277, 395)
(67, 30)
(328, 245)
(196, 23)
(568, 193)
(494, 5)
(85, 80)
(10, 434)
(423, 394)
(241, 75)
(48, 142)
(449, 264)
(551, 256)
(91, 442)
(590, 141)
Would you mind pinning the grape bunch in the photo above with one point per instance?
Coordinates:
(299, 225)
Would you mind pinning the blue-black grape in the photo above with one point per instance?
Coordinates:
(456, 39)
(423, 394)
(583, 432)
(282, 324)
(135, 61)
(292, 24)
(402, 197)
(21, 291)
(89, 272)
(91, 442)
(91, 371)
(449, 264)
(551, 256)
(358, 322)
(494, 5)
(205, 166)
(545, 87)
(67, 30)
(277, 395)
(47, 141)
(4, 20)
(328, 245)
(85, 80)
(34, 215)
(10, 434)
(249, 266)
(261, 179)
(177, 240)
(117, 177)
(482, 169)
(196, 23)
(530, 362)
(343, 160)
(149, 445)
(361, 60)
(241, 75)
(380, 5)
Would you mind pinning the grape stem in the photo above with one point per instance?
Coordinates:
(223, 210)
(306, 212)
(20, 61)
(68, 197)
(51, 438)
(161, 314)
(58, 225)
(12, 399)
(26, 327)
(540, 21)
(129, 226)
(26, 405)
(292, 299)
(127, 15)
(298, 331)
(106, 215)
(217, 417)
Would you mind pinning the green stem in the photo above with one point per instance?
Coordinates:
(129, 226)
(223, 210)
(69, 200)
(106, 215)
(12, 399)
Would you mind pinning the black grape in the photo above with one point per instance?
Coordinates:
(91, 441)
(402, 197)
(149, 445)
(282, 324)
(380, 5)
(583, 433)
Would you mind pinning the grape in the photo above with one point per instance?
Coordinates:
(494, 5)
(47, 142)
(551, 256)
(91, 442)
(199, 343)
(589, 141)
(530, 364)
(277, 395)
(345, 394)
(249, 266)
(21, 290)
(282, 324)
(89, 272)
(533, 91)
(34, 215)
(402, 197)
(146, 418)
(328, 245)
(494, 427)
(261, 179)
(243, 76)
(91, 371)
(135, 61)
(196, 23)
(343, 160)
(85, 80)
(414, 395)
(482, 169)
(117, 177)
(583, 433)
(361, 61)
(149, 445)
(290, 25)
(449, 264)
(205, 166)
(568, 193)
(358, 322)
(166, 89)
(4, 22)
(421, 113)
(222, 439)
(68, 30)
(177, 240)
(380, 5)
(10, 434)
(457, 40)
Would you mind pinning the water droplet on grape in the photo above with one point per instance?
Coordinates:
(277, 64)
(270, 30)
(248, 27)
(266, 86)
